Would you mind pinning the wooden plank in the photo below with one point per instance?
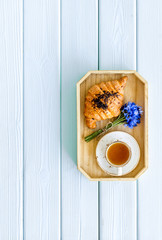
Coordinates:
(117, 35)
(117, 51)
(11, 120)
(149, 23)
(42, 119)
(79, 54)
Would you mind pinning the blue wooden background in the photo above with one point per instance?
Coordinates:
(46, 47)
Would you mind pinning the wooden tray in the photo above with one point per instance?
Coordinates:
(137, 91)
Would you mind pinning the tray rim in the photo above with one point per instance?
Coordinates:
(145, 127)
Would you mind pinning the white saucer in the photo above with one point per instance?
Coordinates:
(108, 139)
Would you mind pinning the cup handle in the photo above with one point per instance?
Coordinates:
(120, 171)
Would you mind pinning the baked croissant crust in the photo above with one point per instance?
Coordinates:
(104, 101)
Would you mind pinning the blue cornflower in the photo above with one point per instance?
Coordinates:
(132, 114)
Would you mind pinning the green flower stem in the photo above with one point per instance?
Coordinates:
(93, 135)
(120, 120)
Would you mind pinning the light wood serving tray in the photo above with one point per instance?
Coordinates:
(137, 91)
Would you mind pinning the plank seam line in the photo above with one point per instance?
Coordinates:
(23, 144)
(60, 183)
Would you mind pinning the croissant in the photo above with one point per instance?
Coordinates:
(104, 101)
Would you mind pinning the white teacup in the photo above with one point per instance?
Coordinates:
(118, 166)
(104, 145)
